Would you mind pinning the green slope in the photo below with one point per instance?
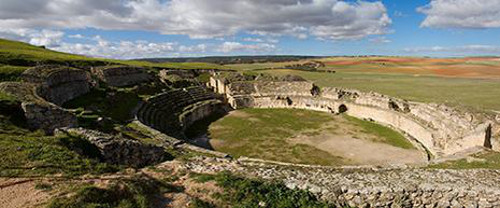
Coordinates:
(15, 57)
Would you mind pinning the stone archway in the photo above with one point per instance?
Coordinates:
(487, 139)
(342, 109)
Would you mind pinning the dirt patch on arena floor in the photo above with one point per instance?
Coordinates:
(361, 151)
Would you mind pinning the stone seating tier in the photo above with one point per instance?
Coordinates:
(162, 111)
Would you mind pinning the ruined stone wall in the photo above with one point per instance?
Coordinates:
(199, 111)
(183, 73)
(118, 150)
(39, 113)
(119, 76)
(441, 129)
(283, 88)
(372, 187)
(58, 84)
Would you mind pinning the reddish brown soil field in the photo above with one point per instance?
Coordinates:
(473, 67)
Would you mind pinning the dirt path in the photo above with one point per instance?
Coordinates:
(361, 151)
(21, 193)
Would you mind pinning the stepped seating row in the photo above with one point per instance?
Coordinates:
(162, 111)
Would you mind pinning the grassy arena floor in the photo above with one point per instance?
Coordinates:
(272, 133)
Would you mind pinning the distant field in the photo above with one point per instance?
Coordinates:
(246, 67)
(487, 67)
(309, 137)
(470, 82)
(481, 94)
(446, 67)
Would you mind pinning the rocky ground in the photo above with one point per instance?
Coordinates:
(374, 187)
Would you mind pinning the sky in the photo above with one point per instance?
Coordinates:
(127, 29)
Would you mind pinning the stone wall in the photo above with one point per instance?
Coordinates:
(183, 73)
(200, 111)
(58, 84)
(118, 150)
(120, 76)
(39, 113)
(372, 187)
(441, 129)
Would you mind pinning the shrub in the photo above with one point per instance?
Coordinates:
(130, 193)
(243, 192)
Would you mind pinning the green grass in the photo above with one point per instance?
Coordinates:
(264, 135)
(19, 53)
(487, 160)
(16, 56)
(11, 73)
(388, 135)
(117, 104)
(481, 94)
(243, 192)
(6, 97)
(36, 155)
(256, 66)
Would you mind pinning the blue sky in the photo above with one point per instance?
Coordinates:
(173, 28)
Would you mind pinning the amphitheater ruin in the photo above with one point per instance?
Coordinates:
(441, 130)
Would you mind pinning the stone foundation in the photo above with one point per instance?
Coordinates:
(39, 113)
(119, 76)
(58, 84)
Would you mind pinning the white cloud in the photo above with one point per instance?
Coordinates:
(326, 19)
(77, 36)
(261, 40)
(257, 40)
(461, 14)
(49, 38)
(200, 48)
(458, 50)
(380, 40)
(228, 47)
(121, 49)
(98, 47)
